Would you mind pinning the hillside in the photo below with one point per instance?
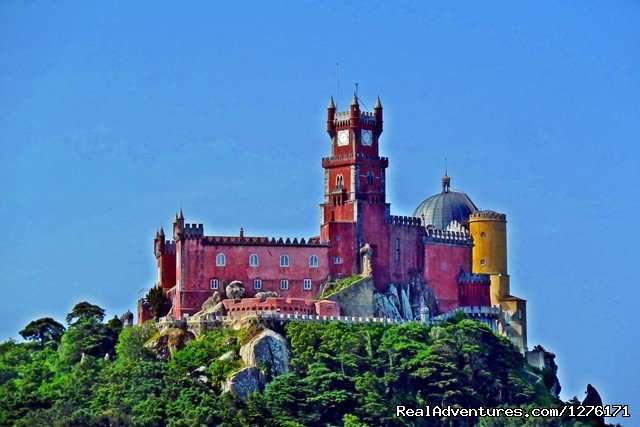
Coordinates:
(101, 374)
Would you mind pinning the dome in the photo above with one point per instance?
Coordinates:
(449, 205)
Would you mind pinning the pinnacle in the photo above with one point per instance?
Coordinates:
(378, 103)
(331, 104)
(354, 101)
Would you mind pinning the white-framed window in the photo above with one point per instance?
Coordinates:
(339, 181)
(284, 285)
(284, 260)
(313, 261)
(306, 284)
(221, 260)
(337, 260)
(257, 284)
(214, 283)
(254, 261)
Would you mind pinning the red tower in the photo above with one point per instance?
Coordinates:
(354, 211)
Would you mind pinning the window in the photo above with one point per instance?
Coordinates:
(257, 284)
(483, 262)
(483, 234)
(284, 285)
(254, 261)
(214, 283)
(337, 260)
(306, 284)
(221, 260)
(519, 314)
(339, 181)
(284, 260)
(397, 249)
(313, 261)
(370, 178)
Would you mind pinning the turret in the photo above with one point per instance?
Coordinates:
(331, 115)
(377, 110)
(354, 112)
(158, 243)
(178, 226)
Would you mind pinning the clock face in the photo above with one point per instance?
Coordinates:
(343, 137)
(367, 137)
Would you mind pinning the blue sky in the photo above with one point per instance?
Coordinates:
(114, 115)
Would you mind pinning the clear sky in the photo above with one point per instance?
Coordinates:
(114, 115)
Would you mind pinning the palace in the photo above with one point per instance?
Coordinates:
(446, 256)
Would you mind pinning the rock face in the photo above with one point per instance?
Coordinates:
(356, 299)
(168, 341)
(245, 381)
(235, 290)
(404, 301)
(266, 357)
(267, 349)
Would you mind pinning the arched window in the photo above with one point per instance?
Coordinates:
(306, 284)
(214, 283)
(221, 260)
(254, 261)
(370, 178)
(284, 260)
(339, 181)
(313, 261)
(284, 285)
(257, 284)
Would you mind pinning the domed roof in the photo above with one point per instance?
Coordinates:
(449, 205)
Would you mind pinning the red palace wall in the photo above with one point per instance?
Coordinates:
(198, 267)
(408, 261)
(281, 305)
(342, 239)
(167, 270)
(443, 264)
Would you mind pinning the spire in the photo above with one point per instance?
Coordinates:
(331, 105)
(157, 234)
(354, 101)
(161, 234)
(378, 103)
(180, 216)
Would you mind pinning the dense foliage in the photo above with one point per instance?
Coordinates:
(98, 374)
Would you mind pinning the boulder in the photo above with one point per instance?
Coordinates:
(235, 290)
(262, 296)
(267, 349)
(168, 341)
(212, 301)
(245, 381)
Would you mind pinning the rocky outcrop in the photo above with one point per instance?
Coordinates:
(267, 349)
(168, 341)
(245, 381)
(235, 290)
(356, 299)
(262, 296)
(405, 300)
(212, 301)
(266, 356)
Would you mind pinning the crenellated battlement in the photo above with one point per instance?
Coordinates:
(260, 241)
(435, 235)
(465, 278)
(491, 215)
(169, 247)
(346, 159)
(193, 230)
(404, 220)
(343, 118)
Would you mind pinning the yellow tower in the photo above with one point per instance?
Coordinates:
(489, 253)
(489, 256)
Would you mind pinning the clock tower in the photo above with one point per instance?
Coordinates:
(354, 211)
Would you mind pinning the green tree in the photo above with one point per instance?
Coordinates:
(85, 311)
(158, 302)
(43, 330)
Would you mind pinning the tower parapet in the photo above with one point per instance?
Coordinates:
(404, 220)
(193, 230)
(435, 235)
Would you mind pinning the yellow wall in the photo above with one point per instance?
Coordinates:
(500, 287)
